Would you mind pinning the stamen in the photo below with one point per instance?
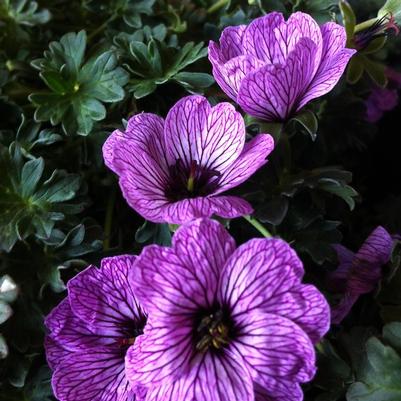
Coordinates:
(191, 178)
(212, 332)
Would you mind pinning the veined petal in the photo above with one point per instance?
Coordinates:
(230, 207)
(343, 308)
(230, 75)
(185, 122)
(55, 353)
(108, 149)
(259, 37)
(251, 159)
(272, 92)
(305, 306)
(161, 353)
(368, 262)
(334, 60)
(71, 332)
(274, 347)
(231, 42)
(94, 375)
(212, 377)
(257, 271)
(222, 138)
(279, 390)
(337, 280)
(90, 301)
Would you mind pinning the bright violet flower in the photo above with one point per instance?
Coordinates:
(359, 273)
(90, 332)
(224, 324)
(273, 67)
(175, 170)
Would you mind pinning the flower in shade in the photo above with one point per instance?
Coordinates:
(359, 273)
(90, 332)
(224, 323)
(175, 170)
(273, 67)
(381, 99)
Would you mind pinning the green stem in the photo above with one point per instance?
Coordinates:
(258, 226)
(216, 6)
(108, 221)
(102, 27)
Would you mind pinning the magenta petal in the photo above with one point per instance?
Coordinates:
(161, 354)
(108, 150)
(370, 258)
(257, 271)
(185, 123)
(272, 92)
(259, 38)
(230, 75)
(94, 375)
(337, 280)
(213, 377)
(231, 42)
(343, 308)
(305, 306)
(251, 159)
(279, 390)
(190, 209)
(334, 60)
(275, 347)
(213, 137)
(55, 353)
(100, 304)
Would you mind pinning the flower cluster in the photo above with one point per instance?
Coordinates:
(203, 320)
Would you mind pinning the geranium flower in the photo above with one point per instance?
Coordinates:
(359, 273)
(224, 323)
(90, 332)
(273, 67)
(175, 170)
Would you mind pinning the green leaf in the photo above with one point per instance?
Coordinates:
(194, 79)
(349, 18)
(153, 233)
(309, 121)
(380, 376)
(3, 348)
(30, 176)
(355, 69)
(25, 12)
(78, 89)
(392, 334)
(376, 71)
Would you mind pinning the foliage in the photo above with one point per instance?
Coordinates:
(73, 71)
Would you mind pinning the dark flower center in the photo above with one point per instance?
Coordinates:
(190, 182)
(133, 330)
(213, 331)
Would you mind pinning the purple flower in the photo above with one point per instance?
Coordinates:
(90, 332)
(359, 273)
(273, 67)
(381, 100)
(175, 170)
(224, 323)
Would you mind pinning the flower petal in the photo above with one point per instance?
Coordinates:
(102, 305)
(337, 280)
(230, 75)
(230, 43)
(334, 60)
(257, 271)
(213, 137)
(274, 347)
(108, 149)
(185, 122)
(55, 353)
(251, 159)
(279, 390)
(343, 308)
(272, 92)
(368, 261)
(94, 375)
(143, 182)
(259, 37)
(305, 306)
(190, 209)
(183, 278)
(212, 377)
(161, 353)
